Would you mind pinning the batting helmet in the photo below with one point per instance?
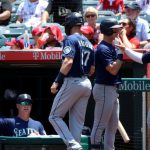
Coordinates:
(73, 19)
(107, 26)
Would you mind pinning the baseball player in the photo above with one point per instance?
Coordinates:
(77, 64)
(141, 58)
(108, 61)
(22, 125)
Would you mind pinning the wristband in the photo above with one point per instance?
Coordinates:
(120, 56)
(60, 77)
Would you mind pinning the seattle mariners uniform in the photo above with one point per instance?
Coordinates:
(22, 125)
(19, 127)
(107, 64)
(78, 62)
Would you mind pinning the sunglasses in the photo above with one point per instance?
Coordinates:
(88, 16)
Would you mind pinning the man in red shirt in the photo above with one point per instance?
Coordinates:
(117, 6)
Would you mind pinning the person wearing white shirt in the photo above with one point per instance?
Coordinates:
(30, 12)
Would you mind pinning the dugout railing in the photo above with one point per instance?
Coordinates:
(51, 142)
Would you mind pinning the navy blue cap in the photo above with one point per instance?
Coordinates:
(24, 99)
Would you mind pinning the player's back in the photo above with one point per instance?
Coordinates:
(81, 50)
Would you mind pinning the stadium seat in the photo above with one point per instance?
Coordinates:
(15, 25)
(3, 39)
(106, 13)
(13, 30)
(89, 3)
(99, 19)
(13, 18)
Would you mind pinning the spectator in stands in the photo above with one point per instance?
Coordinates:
(142, 28)
(15, 44)
(21, 125)
(30, 12)
(90, 16)
(5, 12)
(51, 37)
(60, 9)
(128, 34)
(88, 32)
(117, 6)
(36, 33)
(145, 5)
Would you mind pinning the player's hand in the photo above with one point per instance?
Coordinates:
(54, 88)
(120, 45)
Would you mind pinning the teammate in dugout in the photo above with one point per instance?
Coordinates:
(77, 64)
(22, 125)
(108, 61)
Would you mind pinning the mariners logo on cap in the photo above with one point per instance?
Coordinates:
(67, 50)
(25, 96)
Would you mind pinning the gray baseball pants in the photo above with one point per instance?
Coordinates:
(73, 97)
(106, 115)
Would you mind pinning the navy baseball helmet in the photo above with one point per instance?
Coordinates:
(71, 20)
(107, 25)
(24, 99)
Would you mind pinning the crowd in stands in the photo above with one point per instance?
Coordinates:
(133, 32)
(36, 13)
